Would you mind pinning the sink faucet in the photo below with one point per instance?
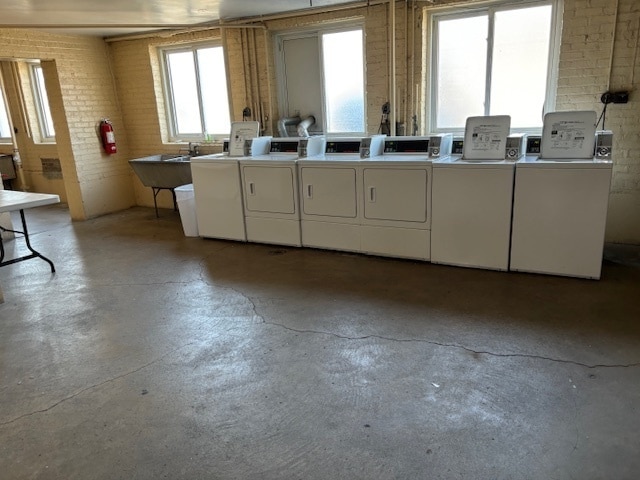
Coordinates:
(194, 149)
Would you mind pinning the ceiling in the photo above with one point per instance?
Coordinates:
(119, 17)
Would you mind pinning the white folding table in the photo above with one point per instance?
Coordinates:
(10, 201)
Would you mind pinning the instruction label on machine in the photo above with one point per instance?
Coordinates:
(241, 131)
(568, 135)
(486, 137)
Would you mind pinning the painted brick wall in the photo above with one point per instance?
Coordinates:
(600, 52)
(81, 91)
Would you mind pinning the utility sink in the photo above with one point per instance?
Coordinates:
(163, 172)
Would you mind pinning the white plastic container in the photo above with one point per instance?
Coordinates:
(187, 207)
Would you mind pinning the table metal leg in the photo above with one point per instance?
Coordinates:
(34, 253)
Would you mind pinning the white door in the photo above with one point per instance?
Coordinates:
(329, 192)
(269, 189)
(394, 194)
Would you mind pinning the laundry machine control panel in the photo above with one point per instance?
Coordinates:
(284, 146)
(457, 146)
(604, 145)
(407, 145)
(516, 145)
(533, 144)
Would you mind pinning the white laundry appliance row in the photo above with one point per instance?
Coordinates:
(474, 201)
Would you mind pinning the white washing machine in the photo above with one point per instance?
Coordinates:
(218, 191)
(331, 193)
(472, 197)
(396, 187)
(270, 190)
(561, 200)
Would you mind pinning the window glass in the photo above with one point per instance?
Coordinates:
(215, 101)
(509, 42)
(5, 128)
(197, 92)
(42, 102)
(462, 46)
(344, 81)
(184, 91)
(321, 74)
(519, 67)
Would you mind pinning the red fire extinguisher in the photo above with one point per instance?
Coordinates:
(107, 136)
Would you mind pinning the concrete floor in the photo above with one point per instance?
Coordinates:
(151, 355)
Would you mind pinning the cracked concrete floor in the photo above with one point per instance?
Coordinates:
(152, 355)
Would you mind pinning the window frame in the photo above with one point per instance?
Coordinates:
(39, 98)
(491, 8)
(3, 100)
(316, 31)
(167, 88)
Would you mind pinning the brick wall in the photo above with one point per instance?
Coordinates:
(81, 91)
(600, 52)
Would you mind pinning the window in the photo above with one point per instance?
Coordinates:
(196, 92)
(497, 60)
(321, 74)
(5, 126)
(47, 132)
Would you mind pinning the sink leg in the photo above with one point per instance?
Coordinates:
(155, 199)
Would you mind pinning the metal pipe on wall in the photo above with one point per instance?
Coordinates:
(392, 67)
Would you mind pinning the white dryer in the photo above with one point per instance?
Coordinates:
(331, 193)
(270, 190)
(561, 200)
(472, 197)
(396, 187)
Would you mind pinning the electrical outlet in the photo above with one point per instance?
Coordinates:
(614, 97)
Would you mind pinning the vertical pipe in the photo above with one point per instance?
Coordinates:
(392, 68)
(268, 58)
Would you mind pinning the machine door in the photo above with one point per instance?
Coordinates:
(269, 189)
(329, 191)
(395, 194)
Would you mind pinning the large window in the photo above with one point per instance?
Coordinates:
(45, 121)
(5, 126)
(196, 91)
(496, 60)
(321, 74)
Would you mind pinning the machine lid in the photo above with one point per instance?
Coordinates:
(568, 135)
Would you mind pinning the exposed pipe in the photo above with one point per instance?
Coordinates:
(283, 122)
(269, 119)
(392, 67)
(304, 125)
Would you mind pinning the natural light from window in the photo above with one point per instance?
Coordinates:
(5, 129)
(198, 92)
(44, 111)
(519, 67)
(344, 81)
(517, 81)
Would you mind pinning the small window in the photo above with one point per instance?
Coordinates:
(47, 132)
(496, 60)
(196, 91)
(5, 126)
(321, 74)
